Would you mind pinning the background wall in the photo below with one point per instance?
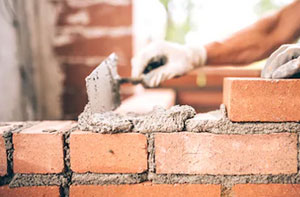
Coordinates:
(10, 86)
(48, 47)
(86, 33)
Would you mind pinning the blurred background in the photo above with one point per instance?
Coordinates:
(48, 47)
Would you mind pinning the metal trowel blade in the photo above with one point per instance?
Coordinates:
(103, 86)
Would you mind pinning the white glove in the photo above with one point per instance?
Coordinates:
(283, 63)
(176, 60)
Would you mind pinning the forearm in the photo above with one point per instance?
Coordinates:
(259, 40)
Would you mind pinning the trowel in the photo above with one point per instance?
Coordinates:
(103, 84)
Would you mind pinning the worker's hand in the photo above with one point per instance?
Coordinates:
(283, 63)
(173, 60)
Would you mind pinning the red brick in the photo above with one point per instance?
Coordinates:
(3, 159)
(101, 14)
(5, 127)
(264, 100)
(102, 46)
(204, 153)
(36, 191)
(146, 189)
(105, 153)
(264, 190)
(39, 151)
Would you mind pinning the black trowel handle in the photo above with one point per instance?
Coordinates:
(130, 80)
(155, 62)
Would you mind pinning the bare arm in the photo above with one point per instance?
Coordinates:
(259, 40)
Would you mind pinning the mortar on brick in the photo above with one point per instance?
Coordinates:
(158, 120)
(106, 179)
(226, 180)
(162, 120)
(24, 180)
(218, 122)
(67, 164)
(107, 122)
(151, 153)
(7, 130)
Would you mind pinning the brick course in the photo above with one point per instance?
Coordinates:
(263, 100)
(115, 159)
(203, 153)
(105, 153)
(146, 189)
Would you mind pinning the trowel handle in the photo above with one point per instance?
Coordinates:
(130, 80)
(155, 62)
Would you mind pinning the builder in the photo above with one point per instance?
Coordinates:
(253, 43)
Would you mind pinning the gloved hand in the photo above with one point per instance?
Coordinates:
(283, 63)
(176, 60)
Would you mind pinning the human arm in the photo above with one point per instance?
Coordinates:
(253, 43)
(259, 40)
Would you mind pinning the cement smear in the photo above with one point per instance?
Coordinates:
(105, 179)
(158, 120)
(217, 122)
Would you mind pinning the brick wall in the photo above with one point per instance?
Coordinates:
(86, 33)
(210, 156)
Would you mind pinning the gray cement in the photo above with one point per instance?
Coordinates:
(103, 86)
(23, 180)
(226, 180)
(162, 120)
(217, 122)
(106, 122)
(158, 120)
(105, 179)
(151, 153)
(7, 136)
